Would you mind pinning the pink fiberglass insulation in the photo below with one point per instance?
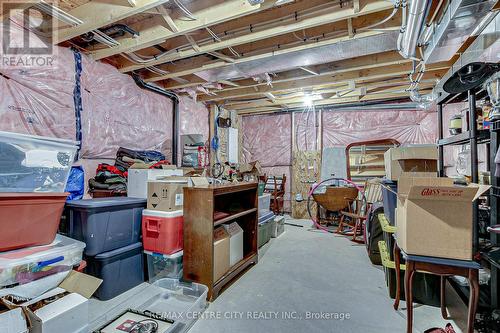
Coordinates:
(341, 128)
(268, 139)
(38, 100)
(116, 112)
(306, 129)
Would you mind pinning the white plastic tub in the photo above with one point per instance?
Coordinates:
(179, 301)
(31, 163)
(264, 203)
(33, 263)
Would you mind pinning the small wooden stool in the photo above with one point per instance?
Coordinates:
(443, 268)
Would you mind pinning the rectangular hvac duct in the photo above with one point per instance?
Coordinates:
(351, 48)
(460, 19)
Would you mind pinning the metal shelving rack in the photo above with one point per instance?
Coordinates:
(474, 137)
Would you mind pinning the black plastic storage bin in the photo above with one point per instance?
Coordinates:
(105, 224)
(390, 200)
(120, 270)
(426, 287)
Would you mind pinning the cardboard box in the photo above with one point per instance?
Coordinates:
(68, 308)
(235, 242)
(167, 194)
(137, 183)
(12, 321)
(221, 253)
(434, 217)
(412, 161)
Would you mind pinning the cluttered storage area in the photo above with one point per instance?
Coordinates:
(249, 166)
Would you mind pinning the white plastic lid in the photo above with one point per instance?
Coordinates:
(61, 246)
(166, 256)
(160, 213)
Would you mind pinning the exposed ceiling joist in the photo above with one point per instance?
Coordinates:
(206, 16)
(363, 62)
(194, 67)
(97, 14)
(357, 75)
(381, 86)
(329, 17)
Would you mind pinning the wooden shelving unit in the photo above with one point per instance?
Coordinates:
(240, 202)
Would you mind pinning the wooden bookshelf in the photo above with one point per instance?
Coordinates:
(240, 202)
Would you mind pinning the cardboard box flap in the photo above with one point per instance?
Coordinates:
(80, 283)
(447, 193)
(415, 153)
(406, 183)
(480, 190)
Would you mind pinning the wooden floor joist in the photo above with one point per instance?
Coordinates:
(97, 14)
(341, 14)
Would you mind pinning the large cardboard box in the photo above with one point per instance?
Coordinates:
(413, 161)
(221, 253)
(235, 242)
(167, 194)
(434, 217)
(64, 309)
(137, 183)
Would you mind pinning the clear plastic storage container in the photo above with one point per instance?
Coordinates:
(183, 302)
(164, 266)
(31, 163)
(32, 263)
(264, 204)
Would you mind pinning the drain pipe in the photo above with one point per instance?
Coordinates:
(175, 111)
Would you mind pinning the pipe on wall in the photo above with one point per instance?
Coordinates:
(175, 111)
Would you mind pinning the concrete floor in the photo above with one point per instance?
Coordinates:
(302, 273)
(306, 271)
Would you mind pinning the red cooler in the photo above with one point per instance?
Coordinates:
(162, 232)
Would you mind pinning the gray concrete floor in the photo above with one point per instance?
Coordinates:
(305, 271)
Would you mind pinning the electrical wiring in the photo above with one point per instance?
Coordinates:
(394, 11)
(213, 34)
(186, 11)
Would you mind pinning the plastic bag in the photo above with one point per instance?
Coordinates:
(76, 183)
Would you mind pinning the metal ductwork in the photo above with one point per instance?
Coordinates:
(486, 48)
(281, 61)
(461, 19)
(413, 22)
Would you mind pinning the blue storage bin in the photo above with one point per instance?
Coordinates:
(390, 200)
(120, 270)
(105, 224)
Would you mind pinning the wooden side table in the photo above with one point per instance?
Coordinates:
(443, 268)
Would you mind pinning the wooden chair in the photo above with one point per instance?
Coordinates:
(358, 210)
(276, 187)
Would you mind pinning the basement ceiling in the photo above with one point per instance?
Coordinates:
(254, 58)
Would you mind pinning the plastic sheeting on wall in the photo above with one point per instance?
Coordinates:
(116, 112)
(307, 124)
(268, 139)
(341, 128)
(38, 101)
